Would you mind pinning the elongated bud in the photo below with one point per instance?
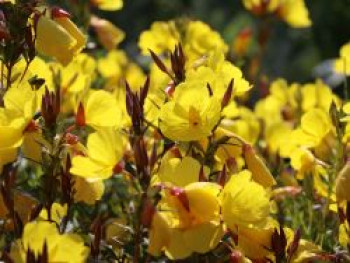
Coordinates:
(260, 173)
(342, 183)
(58, 12)
(80, 116)
(227, 96)
(160, 64)
(279, 243)
(293, 247)
(50, 107)
(222, 178)
(147, 213)
(202, 177)
(170, 88)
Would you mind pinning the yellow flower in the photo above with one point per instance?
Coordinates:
(314, 129)
(196, 38)
(317, 95)
(241, 122)
(200, 39)
(303, 161)
(21, 103)
(276, 136)
(58, 37)
(77, 75)
(58, 212)
(239, 209)
(104, 151)
(163, 36)
(256, 242)
(88, 191)
(342, 64)
(108, 5)
(190, 226)
(218, 73)
(294, 12)
(191, 114)
(60, 247)
(99, 109)
(108, 34)
(11, 140)
(180, 172)
(159, 234)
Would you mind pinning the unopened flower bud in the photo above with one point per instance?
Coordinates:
(80, 116)
(260, 173)
(236, 256)
(342, 183)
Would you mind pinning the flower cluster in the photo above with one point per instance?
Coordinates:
(107, 161)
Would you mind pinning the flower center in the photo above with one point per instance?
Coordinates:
(194, 117)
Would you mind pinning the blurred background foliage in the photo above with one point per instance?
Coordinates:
(290, 53)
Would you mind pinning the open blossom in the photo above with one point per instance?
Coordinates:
(60, 247)
(191, 114)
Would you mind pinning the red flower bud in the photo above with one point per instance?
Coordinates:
(80, 116)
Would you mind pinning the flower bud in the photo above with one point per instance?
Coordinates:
(236, 256)
(80, 116)
(342, 183)
(261, 173)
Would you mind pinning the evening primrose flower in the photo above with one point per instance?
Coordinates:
(294, 12)
(58, 36)
(196, 38)
(191, 114)
(11, 140)
(21, 103)
(180, 172)
(200, 39)
(108, 34)
(88, 191)
(98, 109)
(162, 36)
(255, 242)
(57, 213)
(342, 64)
(315, 128)
(317, 95)
(108, 5)
(239, 209)
(60, 247)
(192, 227)
(218, 73)
(104, 152)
